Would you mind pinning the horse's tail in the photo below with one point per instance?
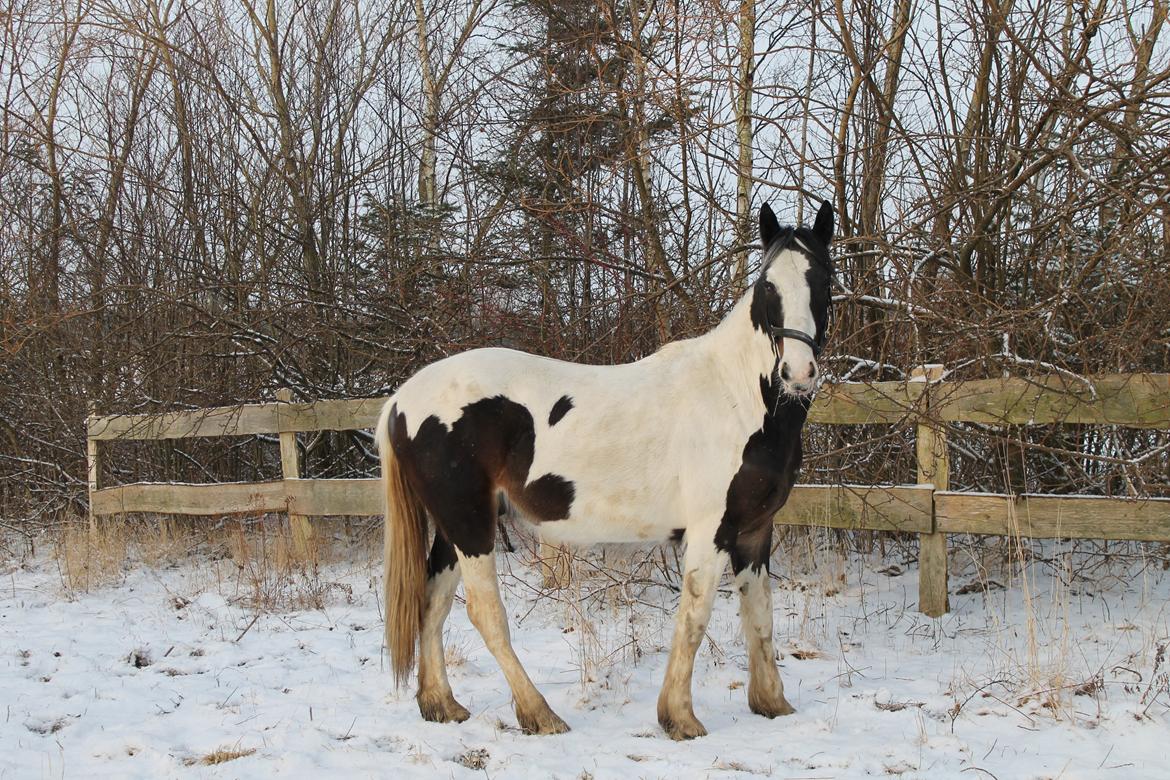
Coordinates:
(404, 565)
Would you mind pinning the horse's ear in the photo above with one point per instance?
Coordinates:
(823, 227)
(769, 227)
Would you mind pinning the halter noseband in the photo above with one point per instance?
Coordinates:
(799, 335)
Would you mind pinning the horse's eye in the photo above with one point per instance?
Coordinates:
(769, 287)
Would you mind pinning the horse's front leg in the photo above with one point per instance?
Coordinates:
(750, 555)
(765, 690)
(703, 564)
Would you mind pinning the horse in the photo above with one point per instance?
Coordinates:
(699, 441)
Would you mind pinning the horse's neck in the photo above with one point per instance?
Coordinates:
(745, 361)
(740, 353)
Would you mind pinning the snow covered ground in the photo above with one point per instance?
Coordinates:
(170, 669)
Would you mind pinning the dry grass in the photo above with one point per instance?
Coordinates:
(476, 758)
(1028, 591)
(1042, 675)
(220, 756)
(1034, 594)
(262, 569)
(455, 651)
(1025, 598)
(252, 562)
(91, 558)
(269, 575)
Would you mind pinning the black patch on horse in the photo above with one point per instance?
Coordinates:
(458, 471)
(819, 278)
(442, 556)
(548, 497)
(771, 460)
(767, 308)
(559, 410)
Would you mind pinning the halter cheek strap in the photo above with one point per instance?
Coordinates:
(799, 335)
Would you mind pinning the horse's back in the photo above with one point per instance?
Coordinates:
(446, 387)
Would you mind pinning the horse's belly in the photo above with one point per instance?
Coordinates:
(633, 515)
(601, 530)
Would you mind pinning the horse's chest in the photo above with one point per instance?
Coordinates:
(767, 471)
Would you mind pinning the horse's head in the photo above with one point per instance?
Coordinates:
(791, 298)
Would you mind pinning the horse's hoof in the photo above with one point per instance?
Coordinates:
(680, 728)
(541, 722)
(771, 708)
(442, 708)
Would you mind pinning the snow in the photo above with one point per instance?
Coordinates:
(150, 675)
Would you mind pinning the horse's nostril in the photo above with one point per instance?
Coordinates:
(784, 372)
(812, 370)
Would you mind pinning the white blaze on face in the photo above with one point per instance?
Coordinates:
(788, 272)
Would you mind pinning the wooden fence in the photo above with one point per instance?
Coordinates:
(927, 508)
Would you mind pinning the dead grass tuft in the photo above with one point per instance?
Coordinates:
(739, 766)
(805, 653)
(93, 557)
(896, 706)
(270, 576)
(220, 756)
(476, 758)
(90, 558)
(140, 658)
(45, 728)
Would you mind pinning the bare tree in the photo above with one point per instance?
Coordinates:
(205, 202)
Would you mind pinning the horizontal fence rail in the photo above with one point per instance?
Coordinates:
(243, 420)
(1130, 400)
(928, 508)
(1054, 517)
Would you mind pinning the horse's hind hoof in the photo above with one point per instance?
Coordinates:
(442, 709)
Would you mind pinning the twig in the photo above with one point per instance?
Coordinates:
(248, 627)
(1007, 354)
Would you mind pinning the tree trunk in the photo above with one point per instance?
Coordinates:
(427, 184)
(744, 136)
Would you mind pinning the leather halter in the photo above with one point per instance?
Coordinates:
(799, 335)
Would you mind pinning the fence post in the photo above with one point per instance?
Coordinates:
(290, 466)
(934, 467)
(92, 465)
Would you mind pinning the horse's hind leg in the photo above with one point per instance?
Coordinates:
(436, 702)
(486, 610)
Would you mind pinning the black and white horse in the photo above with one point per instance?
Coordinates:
(701, 439)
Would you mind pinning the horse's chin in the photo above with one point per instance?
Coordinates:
(793, 392)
